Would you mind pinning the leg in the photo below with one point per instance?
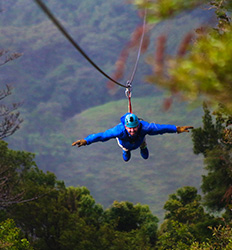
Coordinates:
(126, 155)
(143, 150)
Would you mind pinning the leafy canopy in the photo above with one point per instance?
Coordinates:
(202, 66)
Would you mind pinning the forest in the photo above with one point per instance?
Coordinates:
(55, 196)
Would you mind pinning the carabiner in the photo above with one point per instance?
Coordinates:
(128, 89)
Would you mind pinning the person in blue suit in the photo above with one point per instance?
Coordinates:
(130, 134)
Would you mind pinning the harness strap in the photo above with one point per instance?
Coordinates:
(128, 95)
(142, 146)
(129, 103)
(120, 145)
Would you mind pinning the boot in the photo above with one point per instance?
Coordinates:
(144, 151)
(126, 155)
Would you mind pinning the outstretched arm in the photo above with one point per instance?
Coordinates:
(154, 128)
(103, 136)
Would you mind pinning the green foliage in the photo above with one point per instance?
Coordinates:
(207, 137)
(209, 141)
(216, 185)
(55, 217)
(17, 159)
(159, 10)
(125, 217)
(184, 206)
(44, 216)
(186, 220)
(178, 236)
(9, 117)
(10, 237)
(204, 71)
(14, 167)
(221, 240)
(69, 218)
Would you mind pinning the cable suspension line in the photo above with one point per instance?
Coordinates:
(140, 48)
(129, 82)
(71, 40)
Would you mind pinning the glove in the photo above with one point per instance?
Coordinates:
(80, 143)
(183, 129)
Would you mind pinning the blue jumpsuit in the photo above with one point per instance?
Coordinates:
(125, 140)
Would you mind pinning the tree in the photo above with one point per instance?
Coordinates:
(126, 217)
(177, 236)
(64, 218)
(205, 138)
(201, 67)
(185, 220)
(13, 169)
(122, 226)
(221, 240)
(184, 206)
(39, 218)
(69, 218)
(212, 141)
(10, 237)
(9, 117)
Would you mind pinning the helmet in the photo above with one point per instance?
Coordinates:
(131, 121)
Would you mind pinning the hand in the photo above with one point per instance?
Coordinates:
(80, 143)
(183, 129)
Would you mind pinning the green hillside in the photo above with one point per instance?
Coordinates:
(101, 169)
(52, 73)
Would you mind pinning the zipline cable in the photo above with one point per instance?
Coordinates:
(140, 48)
(71, 40)
(129, 82)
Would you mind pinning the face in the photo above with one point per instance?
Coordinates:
(132, 131)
